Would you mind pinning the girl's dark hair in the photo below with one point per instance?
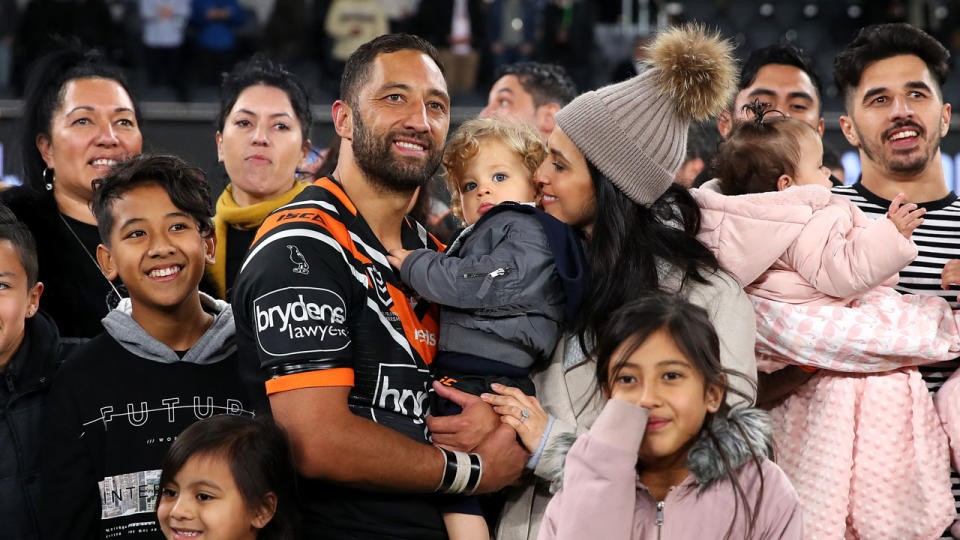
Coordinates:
(22, 239)
(259, 458)
(758, 151)
(261, 70)
(691, 331)
(185, 184)
(629, 245)
(44, 93)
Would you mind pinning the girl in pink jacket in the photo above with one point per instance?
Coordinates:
(861, 441)
(666, 458)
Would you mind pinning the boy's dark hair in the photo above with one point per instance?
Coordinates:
(690, 329)
(357, 71)
(881, 41)
(789, 55)
(259, 457)
(758, 151)
(20, 236)
(185, 184)
(44, 94)
(261, 70)
(546, 83)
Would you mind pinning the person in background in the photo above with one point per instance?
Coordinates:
(351, 23)
(532, 93)
(512, 30)
(782, 78)
(457, 30)
(30, 353)
(9, 21)
(214, 24)
(80, 119)
(263, 136)
(164, 26)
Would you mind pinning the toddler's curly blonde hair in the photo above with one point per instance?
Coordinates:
(465, 144)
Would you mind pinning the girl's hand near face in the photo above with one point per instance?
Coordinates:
(511, 403)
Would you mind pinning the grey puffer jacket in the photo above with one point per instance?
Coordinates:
(501, 293)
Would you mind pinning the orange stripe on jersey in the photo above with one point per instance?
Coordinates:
(311, 379)
(338, 192)
(422, 335)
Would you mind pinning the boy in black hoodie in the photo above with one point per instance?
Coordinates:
(29, 353)
(167, 358)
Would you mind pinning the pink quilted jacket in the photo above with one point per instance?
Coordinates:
(802, 245)
(866, 451)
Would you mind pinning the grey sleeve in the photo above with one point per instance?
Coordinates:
(516, 271)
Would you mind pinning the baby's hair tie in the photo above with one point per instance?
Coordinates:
(759, 110)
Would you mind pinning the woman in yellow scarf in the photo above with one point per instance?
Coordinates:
(262, 138)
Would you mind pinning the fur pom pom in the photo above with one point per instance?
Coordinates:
(696, 68)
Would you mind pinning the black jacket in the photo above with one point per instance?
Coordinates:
(22, 400)
(75, 292)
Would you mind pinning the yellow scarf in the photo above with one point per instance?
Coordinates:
(229, 214)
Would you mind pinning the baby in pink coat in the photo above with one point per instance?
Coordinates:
(861, 441)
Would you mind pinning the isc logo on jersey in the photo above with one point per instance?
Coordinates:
(298, 320)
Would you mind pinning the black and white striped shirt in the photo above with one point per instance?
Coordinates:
(938, 241)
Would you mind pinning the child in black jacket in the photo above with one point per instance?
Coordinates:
(167, 359)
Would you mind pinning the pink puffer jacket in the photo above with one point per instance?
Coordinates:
(802, 245)
(602, 496)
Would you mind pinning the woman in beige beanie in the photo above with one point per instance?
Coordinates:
(613, 157)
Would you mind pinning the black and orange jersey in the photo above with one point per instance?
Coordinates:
(318, 305)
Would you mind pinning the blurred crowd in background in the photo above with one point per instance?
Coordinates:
(177, 48)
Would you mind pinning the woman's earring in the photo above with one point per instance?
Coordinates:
(49, 177)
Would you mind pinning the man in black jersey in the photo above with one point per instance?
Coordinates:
(345, 347)
(891, 77)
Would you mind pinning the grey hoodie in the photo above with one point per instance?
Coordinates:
(217, 343)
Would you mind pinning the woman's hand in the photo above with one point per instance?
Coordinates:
(522, 412)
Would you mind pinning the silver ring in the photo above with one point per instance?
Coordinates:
(524, 414)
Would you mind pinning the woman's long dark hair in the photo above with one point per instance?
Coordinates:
(629, 245)
(44, 95)
(690, 329)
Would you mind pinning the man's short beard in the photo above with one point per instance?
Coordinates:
(916, 165)
(375, 158)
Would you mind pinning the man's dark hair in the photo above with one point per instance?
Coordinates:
(546, 83)
(185, 184)
(22, 239)
(881, 41)
(788, 55)
(357, 71)
(262, 70)
(44, 94)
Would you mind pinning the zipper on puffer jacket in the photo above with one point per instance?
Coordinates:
(659, 518)
(488, 279)
(496, 273)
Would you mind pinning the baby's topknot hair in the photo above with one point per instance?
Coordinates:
(696, 68)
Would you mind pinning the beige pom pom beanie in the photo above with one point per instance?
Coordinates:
(635, 132)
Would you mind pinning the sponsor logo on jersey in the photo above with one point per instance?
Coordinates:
(300, 262)
(301, 320)
(403, 389)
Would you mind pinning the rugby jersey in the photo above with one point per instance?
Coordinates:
(938, 241)
(318, 305)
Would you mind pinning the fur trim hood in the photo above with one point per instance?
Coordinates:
(743, 433)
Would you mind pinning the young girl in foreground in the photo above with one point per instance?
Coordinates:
(228, 477)
(861, 441)
(666, 458)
